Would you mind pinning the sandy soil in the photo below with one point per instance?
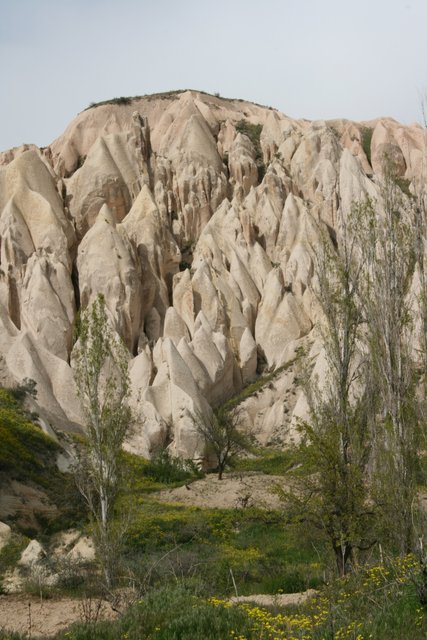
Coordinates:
(233, 491)
(278, 600)
(35, 617)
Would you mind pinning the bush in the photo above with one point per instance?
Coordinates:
(404, 185)
(166, 469)
(253, 132)
(366, 141)
(25, 449)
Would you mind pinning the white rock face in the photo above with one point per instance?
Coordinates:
(83, 551)
(5, 534)
(207, 271)
(32, 554)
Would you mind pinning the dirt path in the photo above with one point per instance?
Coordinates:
(277, 600)
(35, 617)
(233, 491)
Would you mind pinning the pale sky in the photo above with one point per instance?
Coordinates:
(316, 59)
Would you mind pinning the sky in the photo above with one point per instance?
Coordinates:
(316, 59)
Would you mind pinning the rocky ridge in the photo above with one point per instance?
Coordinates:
(199, 232)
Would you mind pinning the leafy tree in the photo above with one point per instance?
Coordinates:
(386, 243)
(223, 439)
(332, 494)
(103, 388)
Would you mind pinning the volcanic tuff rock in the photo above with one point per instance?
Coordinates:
(205, 257)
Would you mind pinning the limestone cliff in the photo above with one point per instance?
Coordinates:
(198, 219)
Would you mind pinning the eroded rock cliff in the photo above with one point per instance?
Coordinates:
(198, 219)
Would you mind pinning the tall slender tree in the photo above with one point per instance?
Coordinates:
(386, 243)
(103, 388)
(333, 494)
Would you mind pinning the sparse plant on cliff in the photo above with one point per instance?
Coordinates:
(103, 388)
(366, 141)
(253, 132)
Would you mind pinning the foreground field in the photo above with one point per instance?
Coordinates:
(378, 603)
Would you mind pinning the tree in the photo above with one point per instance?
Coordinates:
(332, 494)
(103, 388)
(420, 248)
(220, 433)
(386, 244)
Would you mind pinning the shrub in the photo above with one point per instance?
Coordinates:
(253, 132)
(166, 469)
(25, 448)
(404, 185)
(366, 141)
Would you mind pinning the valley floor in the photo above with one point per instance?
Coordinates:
(34, 617)
(233, 491)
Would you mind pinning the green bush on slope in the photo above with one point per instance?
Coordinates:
(25, 449)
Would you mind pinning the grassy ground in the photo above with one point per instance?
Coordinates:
(210, 547)
(187, 561)
(378, 603)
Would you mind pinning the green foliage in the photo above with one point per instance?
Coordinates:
(102, 381)
(24, 389)
(165, 95)
(25, 449)
(127, 100)
(386, 245)
(221, 435)
(28, 455)
(121, 101)
(378, 602)
(166, 469)
(203, 544)
(256, 385)
(390, 586)
(366, 141)
(253, 132)
(404, 185)
(11, 552)
(269, 461)
(333, 494)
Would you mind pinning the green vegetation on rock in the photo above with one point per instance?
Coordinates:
(253, 132)
(25, 449)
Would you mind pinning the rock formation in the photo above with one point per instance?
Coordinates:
(203, 251)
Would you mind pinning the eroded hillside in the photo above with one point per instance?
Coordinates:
(197, 218)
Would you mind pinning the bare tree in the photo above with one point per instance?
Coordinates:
(219, 430)
(103, 388)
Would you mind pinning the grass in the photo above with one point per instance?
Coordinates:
(256, 385)
(184, 560)
(269, 461)
(28, 455)
(11, 552)
(378, 602)
(25, 449)
(202, 544)
(264, 553)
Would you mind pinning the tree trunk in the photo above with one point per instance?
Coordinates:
(343, 553)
